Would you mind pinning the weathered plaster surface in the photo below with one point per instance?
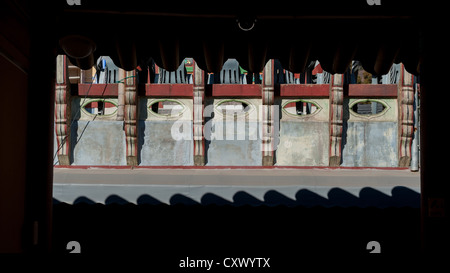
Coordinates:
(303, 144)
(99, 143)
(370, 144)
(234, 153)
(229, 142)
(159, 148)
(159, 144)
(96, 139)
(370, 141)
(304, 140)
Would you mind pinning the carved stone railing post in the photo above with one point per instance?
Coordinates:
(336, 119)
(62, 110)
(130, 118)
(406, 117)
(267, 115)
(121, 95)
(198, 119)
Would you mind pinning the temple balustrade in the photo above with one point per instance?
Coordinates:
(187, 117)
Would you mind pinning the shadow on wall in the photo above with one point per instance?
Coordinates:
(337, 197)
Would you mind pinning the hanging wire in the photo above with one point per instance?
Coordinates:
(122, 81)
(73, 120)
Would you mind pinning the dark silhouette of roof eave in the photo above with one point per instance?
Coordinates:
(212, 35)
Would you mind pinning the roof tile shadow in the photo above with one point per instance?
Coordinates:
(83, 200)
(179, 199)
(342, 198)
(242, 198)
(370, 197)
(147, 200)
(115, 199)
(211, 198)
(274, 198)
(308, 198)
(405, 197)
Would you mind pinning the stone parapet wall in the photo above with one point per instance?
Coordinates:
(151, 124)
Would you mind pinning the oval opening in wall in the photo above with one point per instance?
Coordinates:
(233, 107)
(300, 108)
(100, 107)
(368, 107)
(169, 108)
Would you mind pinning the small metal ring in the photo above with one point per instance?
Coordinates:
(246, 29)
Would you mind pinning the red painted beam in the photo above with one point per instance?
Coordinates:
(169, 90)
(123, 167)
(97, 90)
(372, 90)
(238, 90)
(235, 90)
(304, 90)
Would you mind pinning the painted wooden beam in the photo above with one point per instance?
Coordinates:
(96, 90)
(198, 119)
(268, 115)
(304, 90)
(131, 118)
(234, 90)
(406, 116)
(121, 96)
(336, 119)
(372, 90)
(169, 90)
(62, 110)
